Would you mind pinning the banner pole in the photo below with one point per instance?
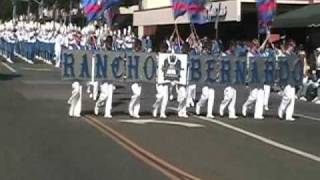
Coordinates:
(92, 67)
(177, 32)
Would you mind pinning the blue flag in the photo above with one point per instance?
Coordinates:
(179, 7)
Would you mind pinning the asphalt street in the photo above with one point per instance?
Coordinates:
(39, 141)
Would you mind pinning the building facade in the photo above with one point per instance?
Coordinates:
(235, 16)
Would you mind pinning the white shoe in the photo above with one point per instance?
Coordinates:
(108, 116)
(136, 116)
(290, 119)
(221, 113)
(244, 111)
(210, 116)
(233, 117)
(259, 118)
(154, 113)
(185, 115)
(182, 115)
(266, 108)
(163, 116)
(96, 111)
(131, 113)
(198, 109)
(303, 99)
(171, 97)
(280, 114)
(317, 102)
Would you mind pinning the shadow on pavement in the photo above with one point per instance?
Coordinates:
(7, 77)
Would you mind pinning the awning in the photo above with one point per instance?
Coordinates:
(307, 16)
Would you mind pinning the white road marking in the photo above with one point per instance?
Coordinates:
(38, 69)
(173, 108)
(263, 139)
(9, 67)
(153, 121)
(307, 117)
(47, 82)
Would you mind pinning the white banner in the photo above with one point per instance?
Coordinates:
(172, 68)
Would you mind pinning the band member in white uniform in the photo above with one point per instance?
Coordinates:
(136, 88)
(256, 94)
(229, 99)
(162, 95)
(58, 48)
(182, 100)
(287, 103)
(207, 96)
(134, 105)
(105, 98)
(75, 100)
(289, 93)
(161, 100)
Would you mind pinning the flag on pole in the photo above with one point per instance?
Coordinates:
(198, 12)
(266, 12)
(94, 9)
(91, 8)
(179, 7)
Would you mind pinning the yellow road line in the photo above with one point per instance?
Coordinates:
(164, 167)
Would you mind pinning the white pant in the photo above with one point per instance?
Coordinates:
(161, 100)
(105, 98)
(230, 96)
(206, 96)
(134, 105)
(287, 102)
(267, 89)
(172, 85)
(182, 100)
(256, 96)
(92, 89)
(191, 94)
(58, 57)
(75, 100)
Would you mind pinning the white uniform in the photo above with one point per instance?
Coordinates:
(256, 96)
(58, 48)
(134, 105)
(206, 96)
(105, 98)
(229, 99)
(191, 95)
(287, 103)
(75, 100)
(182, 100)
(266, 89)
(161, 100)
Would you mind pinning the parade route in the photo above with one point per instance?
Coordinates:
(39, 140)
